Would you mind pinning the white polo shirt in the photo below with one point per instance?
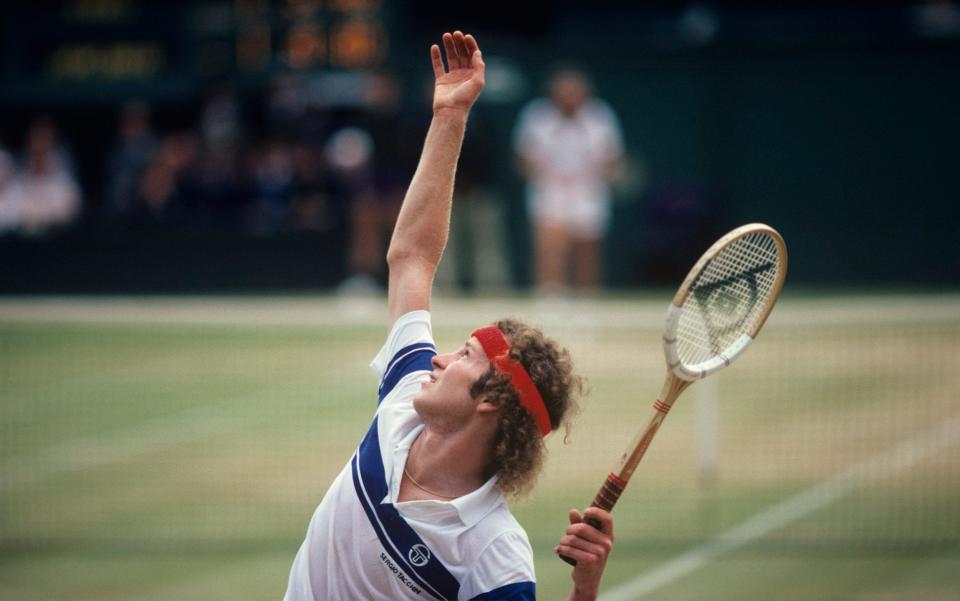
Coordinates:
(362, 544)
(570, 187)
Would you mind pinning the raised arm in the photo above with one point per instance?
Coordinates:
(420, 234)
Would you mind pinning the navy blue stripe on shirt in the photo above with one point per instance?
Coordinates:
(415, 357)
(403, 544)
(518, 591)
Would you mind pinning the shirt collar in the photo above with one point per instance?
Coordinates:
(470, 508)
(474, 506)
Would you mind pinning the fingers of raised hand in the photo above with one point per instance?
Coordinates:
(472, 49)
(449, 47)
(460, 42)
(462, 52)
(436, 60)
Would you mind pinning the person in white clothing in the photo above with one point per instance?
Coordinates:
(569, 148)
(44, 195)
(420, 511)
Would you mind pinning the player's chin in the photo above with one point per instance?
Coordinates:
(427, 401)
(422, 396)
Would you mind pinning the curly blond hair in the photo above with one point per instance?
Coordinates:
(518, 448)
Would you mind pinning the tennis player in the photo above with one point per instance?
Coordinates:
(419, 512)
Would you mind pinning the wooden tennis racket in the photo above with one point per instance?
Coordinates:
(715, 315)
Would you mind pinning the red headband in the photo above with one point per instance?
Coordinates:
(495, 344)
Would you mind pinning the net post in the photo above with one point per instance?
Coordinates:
(705, 408)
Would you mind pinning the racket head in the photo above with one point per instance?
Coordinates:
(724, 301)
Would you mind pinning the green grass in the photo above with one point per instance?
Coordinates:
(182, 460)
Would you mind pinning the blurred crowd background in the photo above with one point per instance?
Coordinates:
(258, 144)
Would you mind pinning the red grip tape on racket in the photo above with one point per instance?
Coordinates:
(606, 498)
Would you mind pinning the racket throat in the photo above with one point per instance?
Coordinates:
(672, 388)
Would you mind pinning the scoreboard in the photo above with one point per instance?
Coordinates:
(108, 47)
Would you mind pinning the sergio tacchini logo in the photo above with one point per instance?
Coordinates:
(419, 555)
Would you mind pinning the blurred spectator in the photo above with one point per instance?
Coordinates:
(570, 148)
(9, 205)
(158, 200)
(274, 186)
(349, 152)
(129, 158)
(45, 192)
(314, 204)
(286, 106)
(474, 257)
(212, 190)
(374, 161)
(220, 119)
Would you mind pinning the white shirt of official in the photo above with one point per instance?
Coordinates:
(572, 155)
(362, 544)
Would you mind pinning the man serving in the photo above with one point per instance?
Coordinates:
(420, 510)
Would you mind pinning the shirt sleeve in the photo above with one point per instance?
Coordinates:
(518, 591)
(524, 141)
(504, 570)
(612, 134)
(409, 348)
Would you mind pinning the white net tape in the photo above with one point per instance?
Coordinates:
(727, 298)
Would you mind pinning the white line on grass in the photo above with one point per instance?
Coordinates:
(904, 455)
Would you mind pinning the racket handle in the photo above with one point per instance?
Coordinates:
(606, 498)
(609, 493)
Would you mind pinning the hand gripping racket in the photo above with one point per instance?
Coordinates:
(715, 315)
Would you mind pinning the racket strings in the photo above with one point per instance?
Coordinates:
(727, 298)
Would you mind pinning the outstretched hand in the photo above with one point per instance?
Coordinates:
(458, 86)
(590, 548)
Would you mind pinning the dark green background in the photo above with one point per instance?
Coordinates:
(838, 126)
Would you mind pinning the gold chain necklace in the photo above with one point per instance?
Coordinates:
(424, 488)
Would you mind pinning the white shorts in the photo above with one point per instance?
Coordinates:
(584, 212)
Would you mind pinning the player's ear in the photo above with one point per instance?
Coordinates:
(485, 406)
